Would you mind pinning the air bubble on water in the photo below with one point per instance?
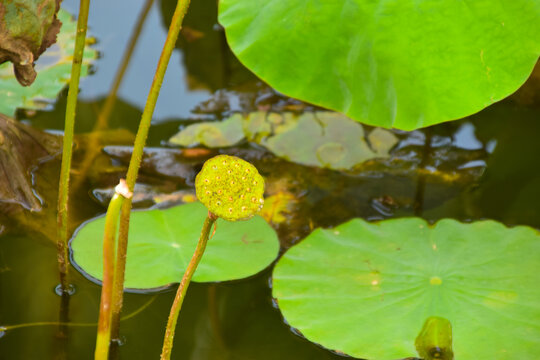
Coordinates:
(70, 290)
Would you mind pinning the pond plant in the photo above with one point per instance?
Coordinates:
(375, 290)
(67, 149)
(435, 339)
(230, 188)
(365, 289)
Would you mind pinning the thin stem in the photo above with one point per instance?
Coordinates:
(63, 192)
(213, 311)
(136, 157)
(418, 205)
(104, 324)
(181, 292)
(71, 324)
(103, 117)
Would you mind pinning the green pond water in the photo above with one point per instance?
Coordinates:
(484, 166)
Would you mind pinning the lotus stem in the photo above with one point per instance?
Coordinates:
(184, 284)
(230, 188)
(74, 324)
(63, 192)
(111, 220)
(134, 165)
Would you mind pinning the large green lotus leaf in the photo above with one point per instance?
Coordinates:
(404, 64)
(53, 68)
(161, 243)
(366, 288)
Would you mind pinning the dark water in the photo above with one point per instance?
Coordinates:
(485, 166)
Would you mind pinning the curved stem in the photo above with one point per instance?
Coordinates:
(104, 324)
(136, 157)
(72, 324)
(182, 288)
(63, 194)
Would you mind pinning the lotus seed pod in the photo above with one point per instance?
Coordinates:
(230, 188)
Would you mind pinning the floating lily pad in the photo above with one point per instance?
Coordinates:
(366, 289)
(323, 139)
(402, 64)
(211, 134)
(53, 68)
(326, 139)
(161, 243)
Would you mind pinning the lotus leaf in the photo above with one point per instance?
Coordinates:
(211, 134)
(403, 64)
(161, 243)
(366, 289)
(323, 139)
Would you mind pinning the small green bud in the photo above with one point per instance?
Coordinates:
(230, 188)
(435, 339)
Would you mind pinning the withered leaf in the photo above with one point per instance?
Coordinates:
(21, 148)
(27, 28)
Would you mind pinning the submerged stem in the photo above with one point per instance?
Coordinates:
(104, 324)
(63, 191)
(72, 324)
(136, 157)
(182, 288)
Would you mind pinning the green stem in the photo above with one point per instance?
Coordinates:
(109, 237)
(181, 292)
(63, 192)
(136, 157)
(72, 324)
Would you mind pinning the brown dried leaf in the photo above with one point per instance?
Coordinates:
(21, 147)
(27, 28)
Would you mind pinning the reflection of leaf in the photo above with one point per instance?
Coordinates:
(54, 69)
(161, 243)
(277, 206)
(201, 37)
(367, 288)
(512, 133)
(20, 148)
(403, 64)
(321, 139)
(27, 28)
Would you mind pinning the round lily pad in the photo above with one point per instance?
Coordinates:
(402, 64)
(366, 289)
(162, 242)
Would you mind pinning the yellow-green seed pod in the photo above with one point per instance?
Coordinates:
(230, 188)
